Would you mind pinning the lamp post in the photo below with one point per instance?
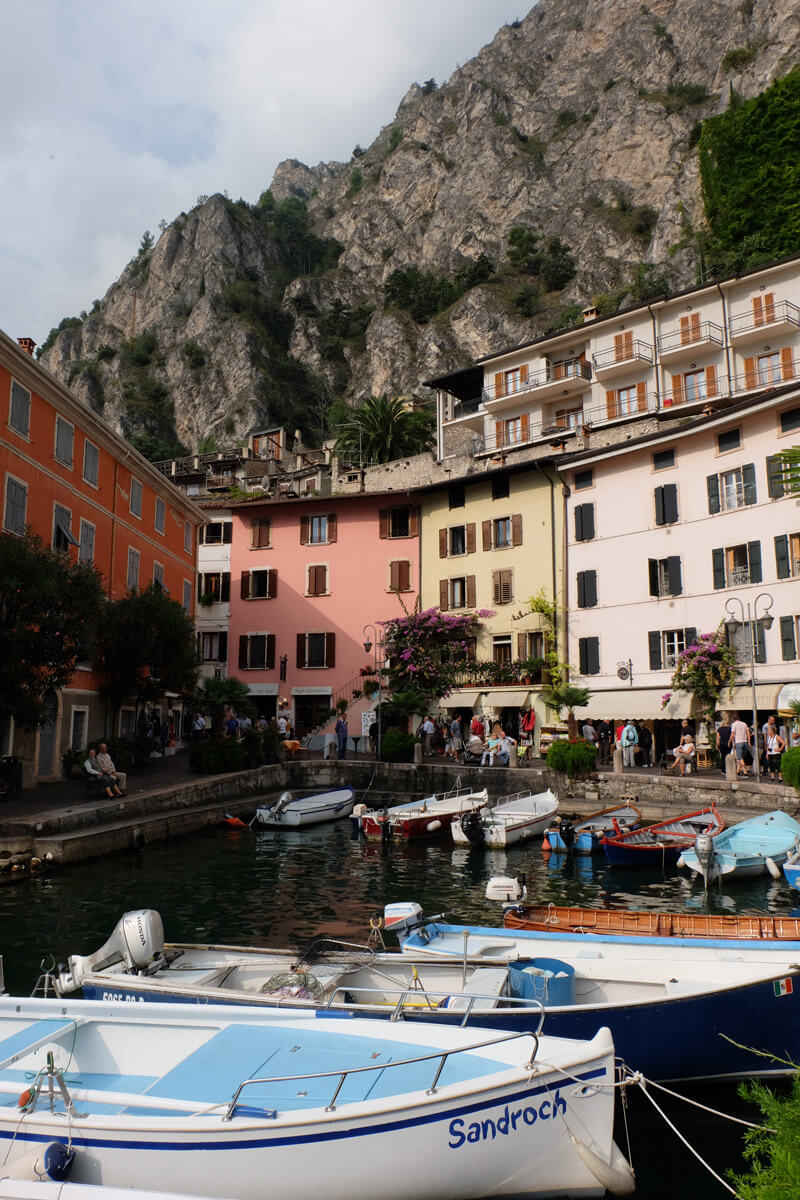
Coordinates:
(372, 641)
(749, 615)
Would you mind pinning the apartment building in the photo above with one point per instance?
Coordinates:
(214, 593)
(70, 478)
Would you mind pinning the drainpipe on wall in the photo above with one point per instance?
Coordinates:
(727, 339)
(554, 479)
(656, 356)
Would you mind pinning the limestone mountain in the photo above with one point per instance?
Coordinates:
(558, 165)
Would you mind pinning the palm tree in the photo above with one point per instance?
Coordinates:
(382, 430)
(565, 696)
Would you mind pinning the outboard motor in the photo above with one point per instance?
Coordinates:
(280, 804)
(472, 828)
(567, 831)
(507, 889)
(402, 917)
(704, 849)
(137, 941)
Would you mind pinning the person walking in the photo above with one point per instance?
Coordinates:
(645, 744)
(775, 746)
(630, 740)
(340, 729)
(723, 741)
(741, 739)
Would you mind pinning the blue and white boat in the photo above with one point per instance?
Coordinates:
(289, 811)
(215, 1102)
(791, 870)
(583, 836)
(757, 846)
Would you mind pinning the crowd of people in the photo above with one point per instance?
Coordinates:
(478, 740)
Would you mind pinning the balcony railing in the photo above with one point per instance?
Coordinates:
(558, 373)
(737, 576)
(692, 335)
(767, 374)
(466, 408)
(635, 351)
(554, 428)
(500, 674)
(777, 312)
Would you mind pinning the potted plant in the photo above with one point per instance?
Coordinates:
(206, 600)
(370, 687)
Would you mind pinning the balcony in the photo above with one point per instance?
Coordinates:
(686, 399)
(469, 414)
(508, 436)
(616, 360)
(559, 379)
(772, 318)
(691, 340)
(737, 576)
(767, 371)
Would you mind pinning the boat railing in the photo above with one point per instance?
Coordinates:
(525, 794)
(404, 1002)
(438, 1056)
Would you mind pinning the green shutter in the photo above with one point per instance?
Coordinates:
(718, 563)
(782, 564)
(590, 588)
(581, 589)
(749, 483)
(670, 503)
(654, 645)
(754, 561)
(712, 486)
(774, 477)
(652, 570)
(674, 575)
(659, 495)
(788, 643)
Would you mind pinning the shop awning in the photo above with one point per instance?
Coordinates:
(643, 704)
(514, 698)
(766, 696)
(789, 693)
(460, 700)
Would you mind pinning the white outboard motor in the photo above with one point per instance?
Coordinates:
(137, 941)
(401, 918)
(704, 849)
(506, 889)
(280, 804)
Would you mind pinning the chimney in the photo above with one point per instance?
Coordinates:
(589, 313)
(28, 344)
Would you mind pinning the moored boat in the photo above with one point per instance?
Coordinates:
(512, 819)
(660, 845)
(624, 922)
(429, 817)
(289, 811)
(584, 836)
(791, 871)
(757, 846)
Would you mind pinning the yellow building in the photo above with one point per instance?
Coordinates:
(492, 542)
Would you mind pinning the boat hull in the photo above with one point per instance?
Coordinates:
(622, 922)
(791, 872)
(503, 833)
(656, 854)
(330, 806)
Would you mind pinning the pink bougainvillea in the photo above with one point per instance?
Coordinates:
(705, 668)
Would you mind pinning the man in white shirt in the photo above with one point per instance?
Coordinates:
(427, 730)
(504, 748)
(740, 737)
(282, 724)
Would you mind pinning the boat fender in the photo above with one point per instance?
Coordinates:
(772, 867)
(616, 1177)
(681, 861)
(51, 1161)
(433, 826)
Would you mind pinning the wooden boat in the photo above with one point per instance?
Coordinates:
(289, 811)
(615, 922)
(429, 817)
(660, 845)
(757, 846)
(512, 819)
(584, 836)
(214, 1101)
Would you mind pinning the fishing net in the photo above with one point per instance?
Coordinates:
(293, 985)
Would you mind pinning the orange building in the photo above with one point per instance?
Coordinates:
(67, 476)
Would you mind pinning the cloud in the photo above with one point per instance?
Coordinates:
(116, 116)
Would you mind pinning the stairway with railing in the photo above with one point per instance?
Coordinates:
(346, 692)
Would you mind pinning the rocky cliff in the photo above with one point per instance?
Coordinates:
(578, 124)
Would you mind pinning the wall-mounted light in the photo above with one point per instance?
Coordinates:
(768, 347)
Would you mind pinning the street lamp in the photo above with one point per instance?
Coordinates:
(751, 618)
(372, 640)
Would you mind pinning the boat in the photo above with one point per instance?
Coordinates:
(757, 846)
(616, 922)
(583, 836)
(429, 817)
(289, 811)
(512, 819)
(660, 845)
(791, 872)
(215, 1101)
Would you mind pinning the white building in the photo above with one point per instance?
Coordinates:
(214, 593)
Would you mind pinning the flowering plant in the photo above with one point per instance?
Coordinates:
(706, 669)
(427, 649)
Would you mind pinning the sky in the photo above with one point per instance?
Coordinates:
(118, 115)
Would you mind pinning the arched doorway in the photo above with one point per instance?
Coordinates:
(47, 737)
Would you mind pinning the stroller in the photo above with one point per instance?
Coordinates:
(469, 759)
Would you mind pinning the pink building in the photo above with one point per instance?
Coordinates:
(306, 576)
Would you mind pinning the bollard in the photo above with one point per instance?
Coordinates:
(730, 767)
(617, 768)
(417, 754)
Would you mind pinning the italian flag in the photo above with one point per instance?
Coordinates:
(783, 987)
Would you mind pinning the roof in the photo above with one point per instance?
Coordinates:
(274, 502)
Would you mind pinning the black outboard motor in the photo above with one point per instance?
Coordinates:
(567, 832)
(472, 828)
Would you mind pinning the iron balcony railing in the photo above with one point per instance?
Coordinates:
(635, 351)
(774, 312)
(705, 331)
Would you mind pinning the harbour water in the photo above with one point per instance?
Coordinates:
(265, 888)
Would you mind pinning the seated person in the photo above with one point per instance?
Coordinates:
(685, 754)
(488, 752)
(107, 767)
(106, 781)
(504, 749)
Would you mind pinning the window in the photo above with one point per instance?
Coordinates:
(79, 728)
(318, 530)
(503, 587)
(187, 595)
(768, 368)
(400, 522)
(86, 551)
(456, 495)
(315, 650)
(135, 503)
(62, 529)
(500, 487)
(457, 593)
(568, 418)
(260, 531)
(158, 575)
(731, 489)
(665, 576)
(212, 647)
(91, 462)
(507, 383)
(19, 417)
(187, 537)
(513, 432)
(666, 499)
(317, 581)
(663, 459)
(502, 532)
(790, 420)
(664, 646)
(739, 636)
(65, 438)
(259, 585)
(127, 722)
(531, 646)
(132, 579)
(623, 346)
(731, 439)
(627, 400)
(501, 648)
(733, 566)
(217, 533)
(400, 576)
(16, 506)
(589, 656)
(214, 587)
(458, 540)
(257, 652)
(674, 644)
(161, 515)
(787, 555)
(694, 386)
(584, 522)
(587, 589)
(583, 479)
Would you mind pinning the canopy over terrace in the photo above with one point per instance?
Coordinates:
(641, 704)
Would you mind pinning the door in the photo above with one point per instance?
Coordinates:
(310, 711)
(47, 737)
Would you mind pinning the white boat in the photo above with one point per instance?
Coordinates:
(429, 817)
(289, 811)
(214, 1102)
(512, 819)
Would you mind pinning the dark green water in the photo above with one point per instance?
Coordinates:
(283, 889)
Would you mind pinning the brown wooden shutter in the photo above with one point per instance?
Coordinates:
(686, 335)
(383, 526)
(486, 528)
(769, 307)
(394, 577)
(243, 652)
(332, 527)
(711, 380)
(413, 521)
(470, 539)
(301, 650)
(758, 311)
(750, 365)
(272, 583)
(523, 373)
(498, 385)
(677, 389)
(470, 591)
(787, 363)
(628, 344)
(522, 646)
(526, 427)
(245, 585)
(694, 325)
(557, 369)
(330, 649)
(270, 663)
(499, 434)
(404, 576)
(443, 605)
(516, 529)
(641, 396)
(442, 543)
(612, 409)
(304, 527)
(508, 591)
(619, 346)
(496, 587)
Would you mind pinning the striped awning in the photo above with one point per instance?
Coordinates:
(460, 700)
(513, 698)
(642, 704)
(766, 697)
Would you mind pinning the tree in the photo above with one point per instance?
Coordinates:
(48, 609)
(382, 430)
(565, 696)
(215, 696)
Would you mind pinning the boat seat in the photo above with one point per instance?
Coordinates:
(484, 982)
(34, 1033)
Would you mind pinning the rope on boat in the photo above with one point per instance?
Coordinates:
(714, 1111)
(643, 1085)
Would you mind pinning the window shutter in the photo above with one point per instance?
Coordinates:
(612, 408)
(516, 529)
(619, 346)
(201, 535)
(654, 646)
(787, 363)
(754, 561)
(674, 580)
(243, 652)
(659, 495)
(590, 589)
(471, 538)
(581, 589)
(677, 389)
(470, 591)
(652, 570)
(584, 522)
(442, 543)
(718, 565)
(272, 583)
(227, 532)
(712, 486)
(330, 649)
(782, 565)
(758, 311)
(522, 646)
(670, 503)
(199, 651)
(222, 653)
(592, 656)
(304, 527)
(628, 344)
(686, 335)
(443, 604)
(394, 577)
(694, 322)
(486, 529)
(225, 590)
(582, 661)
(413, 521)
(499, 434)
(769, 306)
(245, 585)
(711, 380)
(270, 662)
(749, 483)
(301, 650)
(497, 587)
(498, 385)
(579, 523)
(774, 477)
(526, 427)
(405, 577)
(332, 527)
(383, 523)
(788, 644)
(641, 396)
(690, 636)
(760, 654)
(749, 373)
(523, 373)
